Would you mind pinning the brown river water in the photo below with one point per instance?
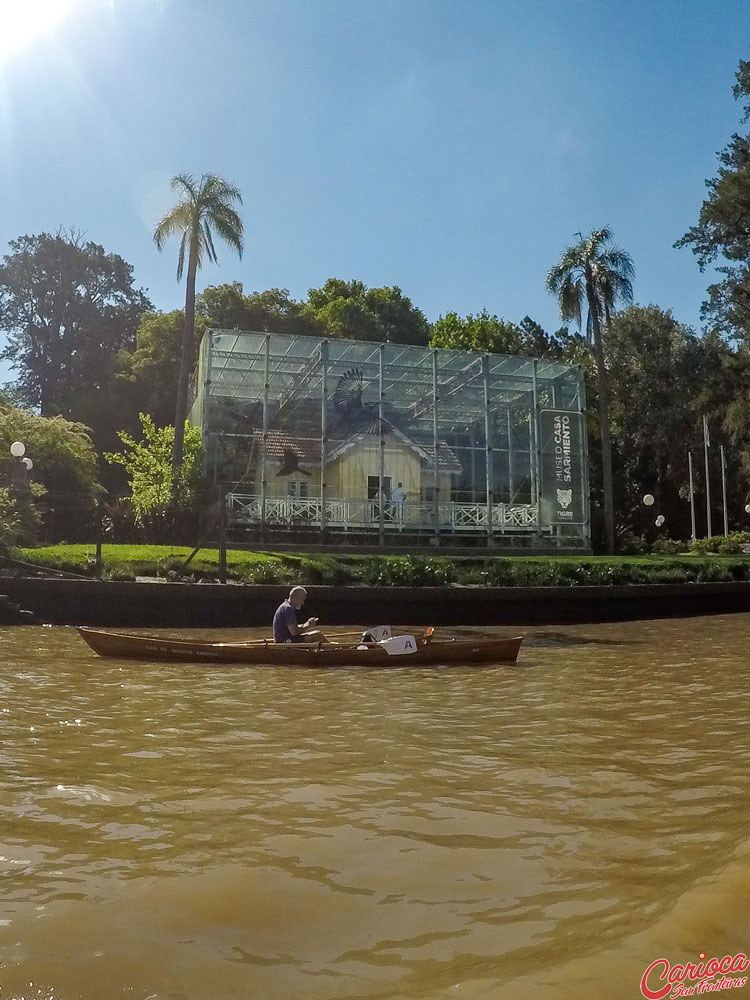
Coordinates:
(545, 830)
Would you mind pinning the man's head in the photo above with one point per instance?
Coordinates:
(400, 485)
(297, 597)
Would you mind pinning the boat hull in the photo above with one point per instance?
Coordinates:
(431, 652)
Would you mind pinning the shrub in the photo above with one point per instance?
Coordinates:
(408, 571)
(632, 545)
(20, 519)
(326, 570)
(669, 547)
(265, 573)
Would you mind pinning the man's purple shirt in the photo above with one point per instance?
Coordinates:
(284, 617)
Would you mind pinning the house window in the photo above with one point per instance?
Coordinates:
(373, 485)
(298, 489)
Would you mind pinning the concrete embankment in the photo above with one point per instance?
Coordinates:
(190, 605)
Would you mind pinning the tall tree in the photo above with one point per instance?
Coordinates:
(658, 369)
(482, 332)
(203, 207)
(145, 379)
(67, 307)
(596, 274)
(272, 311)
(350, 309)
(722, 235)
(64, 464)
(492, 335)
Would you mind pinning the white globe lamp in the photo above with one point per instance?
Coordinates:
(648, 500)
(18, 449)
(660, 520)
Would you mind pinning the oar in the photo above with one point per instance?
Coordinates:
(269, 640)
(334, 636)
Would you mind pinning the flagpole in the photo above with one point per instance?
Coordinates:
(724, 490)
(706, 446)
(692, 496)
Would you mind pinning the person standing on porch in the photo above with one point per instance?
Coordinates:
(398, 495)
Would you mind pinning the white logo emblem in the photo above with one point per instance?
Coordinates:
(565, 498)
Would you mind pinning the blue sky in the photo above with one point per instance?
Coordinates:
(450, 148)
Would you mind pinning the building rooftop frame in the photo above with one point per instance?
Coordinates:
(238, 370)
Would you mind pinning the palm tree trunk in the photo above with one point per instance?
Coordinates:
(601, 378)
(186, 364)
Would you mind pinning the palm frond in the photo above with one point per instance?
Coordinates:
(203, 206)
(228, 225)
(173, 222)
(181, 257)
(619, 261)
(572, 294)
(185, 183)
(208, 241)
(609, 268)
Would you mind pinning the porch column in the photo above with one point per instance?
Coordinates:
(381, 485)
(487, 445)
(510, 458)
(535, 445)
(323, 431)
(264, 442)
(207, 352)
(435, 459)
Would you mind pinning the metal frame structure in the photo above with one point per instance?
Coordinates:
(303, 433)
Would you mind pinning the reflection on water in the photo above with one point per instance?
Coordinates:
(545, 830)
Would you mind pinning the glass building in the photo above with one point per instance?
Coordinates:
(392, 444)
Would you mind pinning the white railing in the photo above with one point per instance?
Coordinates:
(342, 512)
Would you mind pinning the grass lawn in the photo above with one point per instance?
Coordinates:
(134, 555)
(482, 569)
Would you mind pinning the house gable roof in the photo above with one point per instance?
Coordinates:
(307, 450)
(447, 461)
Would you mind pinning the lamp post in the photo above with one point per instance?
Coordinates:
(19, 469)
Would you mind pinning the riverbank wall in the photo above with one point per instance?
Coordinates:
(190, 605)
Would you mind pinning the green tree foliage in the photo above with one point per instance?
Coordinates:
(726, 400)
(20, 517)
(349, 309)
(64, 482)
(722, 235)
(226, 307)
(490, 335)
(148, 463)
(204, 207)
(62, 451)
(145, 379)
(657, 368)
(66, 307)
(596, 274)
(483, 332)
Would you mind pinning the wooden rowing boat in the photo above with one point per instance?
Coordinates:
(429, 652)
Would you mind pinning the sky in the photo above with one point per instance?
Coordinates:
(451, 147)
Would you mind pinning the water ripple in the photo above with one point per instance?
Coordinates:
(413, 833)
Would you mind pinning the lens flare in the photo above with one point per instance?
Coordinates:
(22, 22)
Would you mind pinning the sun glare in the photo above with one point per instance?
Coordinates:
(21, 21)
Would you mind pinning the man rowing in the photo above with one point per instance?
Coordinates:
(285, 627)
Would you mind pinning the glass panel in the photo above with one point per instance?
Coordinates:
(271, 431)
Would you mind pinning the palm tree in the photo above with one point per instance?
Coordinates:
(596, 273)
(202, 208)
